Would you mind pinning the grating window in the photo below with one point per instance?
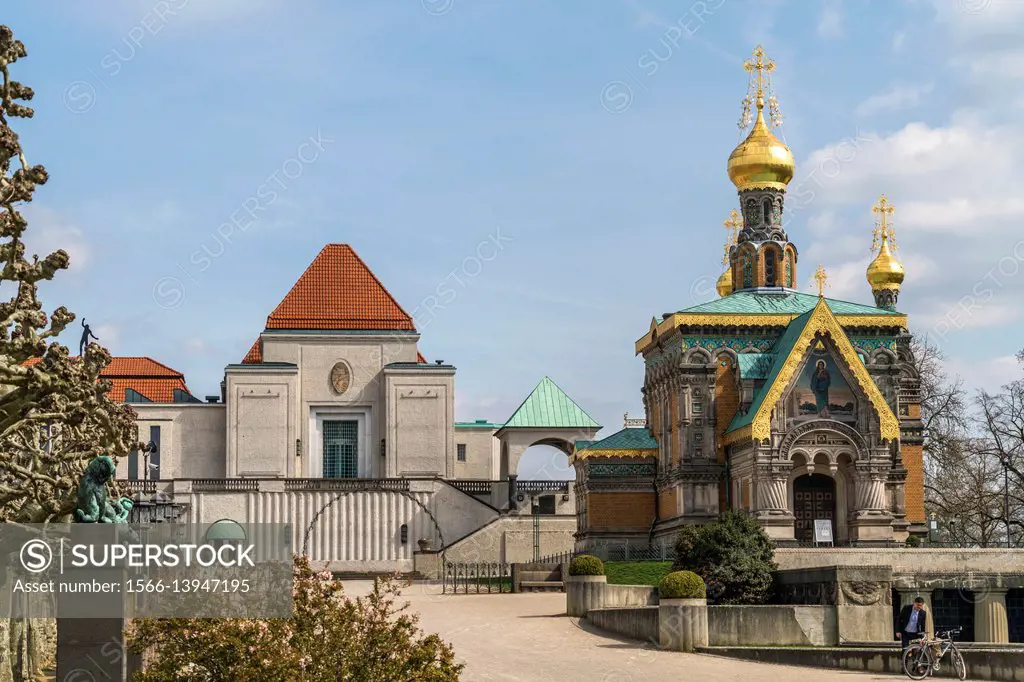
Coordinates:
(460, 452)
(341, 440)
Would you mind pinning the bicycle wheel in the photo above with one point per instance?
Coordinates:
(959, 665)
(917, 662)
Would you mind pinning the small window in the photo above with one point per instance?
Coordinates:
(460, 452)
(769, 268)
(133, 396)
(698, 408)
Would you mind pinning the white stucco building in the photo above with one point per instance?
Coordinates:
(336, 423)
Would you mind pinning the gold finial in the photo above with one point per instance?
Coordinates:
(883, 229)
(759, 89)
(733, 225)
(885, 273)
(822, 279)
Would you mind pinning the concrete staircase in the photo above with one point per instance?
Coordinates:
(540, 578)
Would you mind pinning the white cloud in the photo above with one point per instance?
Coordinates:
(830, 23)
(48, 231)
(988, 374)
(196, 346)
(898, 39)
(894, 99)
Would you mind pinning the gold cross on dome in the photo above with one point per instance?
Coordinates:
(762, 66)
(822, 279)
(733, 225)
(883, 229)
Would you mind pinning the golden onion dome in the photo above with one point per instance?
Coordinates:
(724, 284)
(761, 161)
(885, 271)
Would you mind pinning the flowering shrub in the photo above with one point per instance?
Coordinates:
(328, 637)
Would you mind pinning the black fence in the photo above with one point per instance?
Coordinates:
(616, 552)
(476, 578)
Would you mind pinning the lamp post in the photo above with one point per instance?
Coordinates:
(1005, 461)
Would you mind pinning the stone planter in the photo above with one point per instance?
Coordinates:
(424, 544)
(583, 593)
(683, 624)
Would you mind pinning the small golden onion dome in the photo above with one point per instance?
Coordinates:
(724, 284)
(761, 161)
(885, 271)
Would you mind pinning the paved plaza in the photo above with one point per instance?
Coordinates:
(527, 638)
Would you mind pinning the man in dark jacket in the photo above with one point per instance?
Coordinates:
(913, 622)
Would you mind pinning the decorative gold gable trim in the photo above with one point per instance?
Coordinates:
(821, 321)
(587, 454)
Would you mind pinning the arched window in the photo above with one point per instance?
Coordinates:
(769, 267)
(787, 277)
(766, 207)
(748, 270)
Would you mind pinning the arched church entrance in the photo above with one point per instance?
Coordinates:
(814, 498)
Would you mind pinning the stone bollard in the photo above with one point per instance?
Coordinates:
(583, 593)
(683, 624)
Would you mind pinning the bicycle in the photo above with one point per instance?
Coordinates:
(922, 658)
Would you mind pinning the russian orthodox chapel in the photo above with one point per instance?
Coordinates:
(792, 406)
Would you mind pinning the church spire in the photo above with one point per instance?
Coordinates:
(761, 167)
(885, 273)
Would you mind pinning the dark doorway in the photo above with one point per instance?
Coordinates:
(814, 498)
(1015, 614)
(954, 608)
(545, 504)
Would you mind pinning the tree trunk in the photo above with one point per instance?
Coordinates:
(6, 671)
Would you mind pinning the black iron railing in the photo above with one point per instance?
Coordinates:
(531, 487)
(354, 484)
(476, 578)
(472, 487)
(225, 484)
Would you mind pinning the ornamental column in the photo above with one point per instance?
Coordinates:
(907, 597)
(990, 622)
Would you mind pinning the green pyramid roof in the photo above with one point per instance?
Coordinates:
(635, 438)
(548, 407)
(782, 303)
(755, 365)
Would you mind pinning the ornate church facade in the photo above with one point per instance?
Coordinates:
(794, 407)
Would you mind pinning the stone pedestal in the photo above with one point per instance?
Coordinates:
(990, 622)
(427, 564)
(583, 593)
(94, 648)
(91, 649)
(683, 624)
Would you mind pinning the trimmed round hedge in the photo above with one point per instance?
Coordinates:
(682, 585)
(584, 564)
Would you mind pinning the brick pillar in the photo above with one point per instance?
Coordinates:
(990, 622)
(907, 597)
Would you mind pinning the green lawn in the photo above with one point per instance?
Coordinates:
(636, 572)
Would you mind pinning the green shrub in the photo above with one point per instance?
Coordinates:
(914, 541)
(734, 557)
(584, 564)
(682, 585)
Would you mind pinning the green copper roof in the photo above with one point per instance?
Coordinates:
(478, 424)
(755, 365)
(580, 444)
(549, 407)
(784, 302)
(626, 439)
(781, 350)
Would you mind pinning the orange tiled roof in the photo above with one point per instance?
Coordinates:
(152, 379)
(336, 292)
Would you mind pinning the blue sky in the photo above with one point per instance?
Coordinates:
(443, 124)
